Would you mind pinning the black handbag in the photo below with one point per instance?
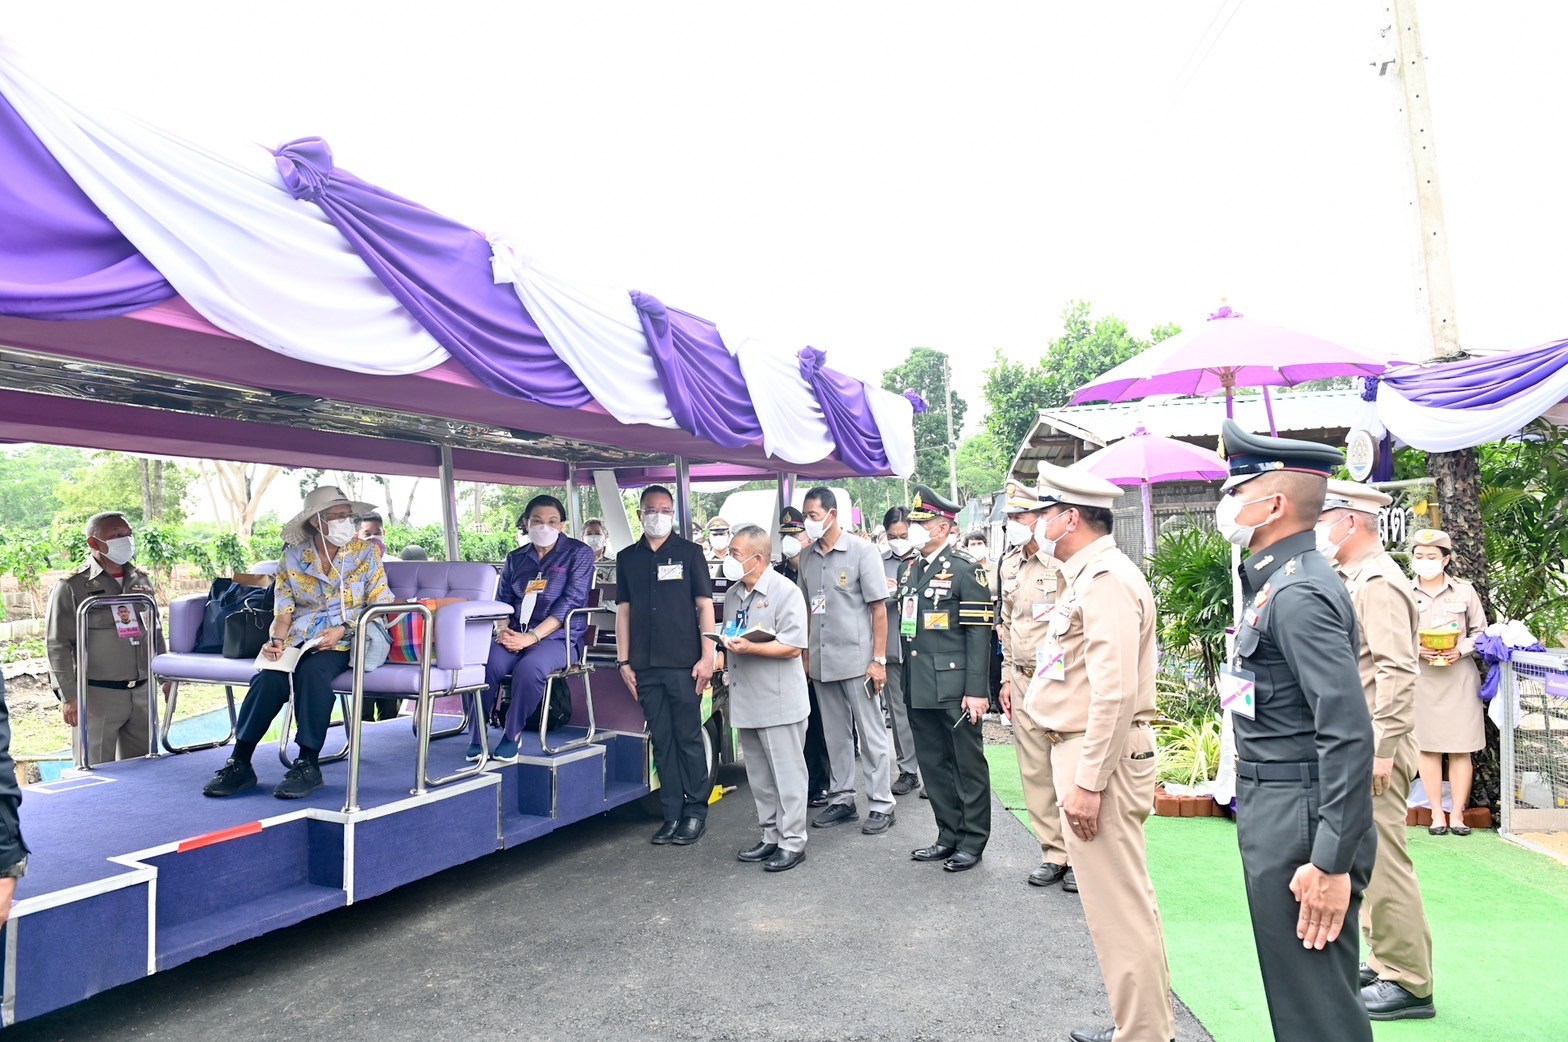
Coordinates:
(245, 631)
(226, 598)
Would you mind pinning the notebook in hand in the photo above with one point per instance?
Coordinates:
(284, 663)
(756, 635)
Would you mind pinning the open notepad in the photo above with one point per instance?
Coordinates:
(284, 663)
(757, 635)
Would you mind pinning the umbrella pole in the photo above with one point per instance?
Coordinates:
(1268, 405)
(1148, 523)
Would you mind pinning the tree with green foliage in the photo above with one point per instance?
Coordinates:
(1088, 347)
(982, 465)
(925, 372)
(29, 476)
(1524, 504)
(115, 481)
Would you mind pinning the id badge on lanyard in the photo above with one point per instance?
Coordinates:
(1238, 691)
(907, 616)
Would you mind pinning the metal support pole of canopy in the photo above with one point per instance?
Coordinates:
(786, 494)
(574, 506)
(449, 505)
(683, 496)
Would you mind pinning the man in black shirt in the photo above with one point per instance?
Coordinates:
(664, 604)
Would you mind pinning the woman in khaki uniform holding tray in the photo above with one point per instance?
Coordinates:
(1448, 703)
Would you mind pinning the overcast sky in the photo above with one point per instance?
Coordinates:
(865, 177)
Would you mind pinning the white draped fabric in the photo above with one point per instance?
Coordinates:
(793, 428)
(218, 224)
(895, 418)
(595, 330)
(1448, 430)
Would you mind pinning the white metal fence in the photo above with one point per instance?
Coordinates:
(1534, 695)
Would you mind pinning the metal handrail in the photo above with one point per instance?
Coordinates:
(151, 635)
(580, 668)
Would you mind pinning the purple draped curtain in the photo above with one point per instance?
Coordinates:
(1477, 383)
(440, 271)
(702, 381)
(848, 414)
(60, 257)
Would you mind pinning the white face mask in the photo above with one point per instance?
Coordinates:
(1426, 567)
(789, 546)
(978, 551)
(921, 536)
(120, 550)
(1326, 544)
(1017, 533)
(595, 541)
(1225, 515)
(816, 529)
(543, 536)
(1042, 537)
(658, 525)
(719, 542)
(900, 547)
(734, 569)
(340, 532)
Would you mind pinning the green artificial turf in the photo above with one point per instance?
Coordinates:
(1498, 912)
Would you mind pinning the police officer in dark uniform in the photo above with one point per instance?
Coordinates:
(946, 613)
(1304, 740)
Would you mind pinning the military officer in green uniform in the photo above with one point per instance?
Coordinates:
(946, 611)
(1304, 742)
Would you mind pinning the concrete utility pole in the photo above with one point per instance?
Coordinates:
(952, 446)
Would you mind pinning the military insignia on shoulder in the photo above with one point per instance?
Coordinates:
(1290, 566)
(983, 578)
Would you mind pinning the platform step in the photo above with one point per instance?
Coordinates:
(520, 828)
(186, 941)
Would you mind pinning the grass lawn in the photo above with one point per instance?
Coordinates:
(1499, 917)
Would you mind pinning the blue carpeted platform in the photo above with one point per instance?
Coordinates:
(133, 870)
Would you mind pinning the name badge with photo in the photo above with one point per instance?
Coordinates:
(907, 617)
(1238, 691)
(672, 572)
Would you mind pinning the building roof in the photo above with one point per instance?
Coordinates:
(1065, 435)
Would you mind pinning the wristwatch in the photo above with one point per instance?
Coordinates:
(880, 660)
(623, 663)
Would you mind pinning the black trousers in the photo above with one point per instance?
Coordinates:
(313, 698)
(1311, 994)
(819, 772)
(674, 711)
(956, 775)
(378, 707)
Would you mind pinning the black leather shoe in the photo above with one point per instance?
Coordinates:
(1070, 881)
(665, 833)
(1047, 874)
(1093, 1035)
(1365, 976)
(935, 852)
(923, 794)
(905, 784)
(784, 860)
(962, 861)
(760, 852)
(1459, 830)
(1386, 1000)
(878, 823)
(689, 832)
(231, 778)
(301, 780)
(818, 798)
(837, 814)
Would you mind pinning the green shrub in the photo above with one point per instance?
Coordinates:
(1191, 578)
(1189, 751)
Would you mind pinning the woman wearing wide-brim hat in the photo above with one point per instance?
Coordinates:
(1449, 713)
(327, 578)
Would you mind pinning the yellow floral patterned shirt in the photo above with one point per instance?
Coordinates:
(323, 598)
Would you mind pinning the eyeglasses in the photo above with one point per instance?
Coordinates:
(670, 512)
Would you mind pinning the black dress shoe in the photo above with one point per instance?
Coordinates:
(1386, 1000)
(690, 831)
(837, 814)
(923, 794)
(665, 833)
(1365, 976)
(1093, 1035)
(878, 823)
(935, 852)
(231, 778)
(962, 861)
(1047, 874)
(1070, 881)
(818, 798)
(905, 784)
(784, 860)
(760, 852)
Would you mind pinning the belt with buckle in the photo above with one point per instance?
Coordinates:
(1027, 671)
(1058, 737)
(1305, 773)
(117, 685)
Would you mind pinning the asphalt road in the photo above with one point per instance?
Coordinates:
(592, 933)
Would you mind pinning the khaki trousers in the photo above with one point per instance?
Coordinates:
(116, 723)
(1117, 894)
(1040, 796)
(1393, 919)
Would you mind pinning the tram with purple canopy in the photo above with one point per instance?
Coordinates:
(180, 300)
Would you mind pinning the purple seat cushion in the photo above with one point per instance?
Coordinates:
(205, 669)
(400, 679)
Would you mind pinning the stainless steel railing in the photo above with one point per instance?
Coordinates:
(579, 668)
(149, 640)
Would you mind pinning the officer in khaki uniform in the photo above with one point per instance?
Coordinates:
(1028, 591)
(1092, 697)
(117, 683)
(945, 617)
(1397, 976)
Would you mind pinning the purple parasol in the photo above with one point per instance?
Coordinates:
(1146, 459)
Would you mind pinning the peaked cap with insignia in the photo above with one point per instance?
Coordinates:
(1023, 498)
(1433, 537)
(928, 506)
(1075, 487)
(1351, 495)
(1252, 455)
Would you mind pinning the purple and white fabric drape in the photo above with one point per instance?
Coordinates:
(702, 381)
(60, 257)
(1458, 405)
(846, 412)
